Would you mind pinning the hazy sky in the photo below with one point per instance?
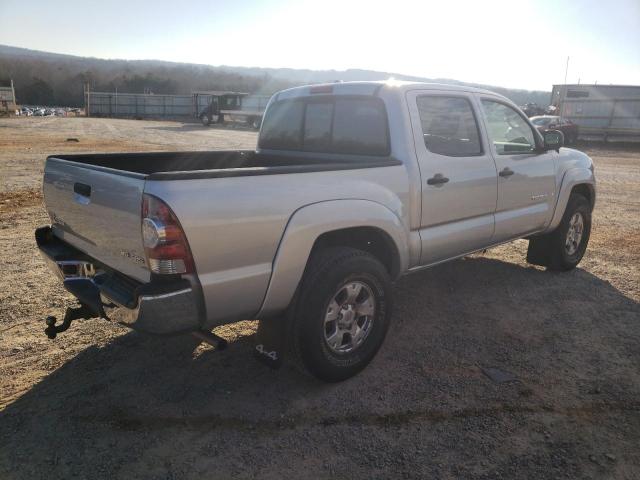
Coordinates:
(521, 44)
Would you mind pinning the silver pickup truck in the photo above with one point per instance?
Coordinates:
(351, 186)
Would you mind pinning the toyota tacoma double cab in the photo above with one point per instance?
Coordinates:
(351, 186)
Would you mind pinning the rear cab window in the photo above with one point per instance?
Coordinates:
(353, 125)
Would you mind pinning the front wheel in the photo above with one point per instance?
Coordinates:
(563, 248)
(341, 314)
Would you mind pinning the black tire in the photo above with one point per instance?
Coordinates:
(206, 120)
(571, 139)
(329, 270)
(551, 250)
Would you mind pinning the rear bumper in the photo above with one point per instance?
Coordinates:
(164, 307)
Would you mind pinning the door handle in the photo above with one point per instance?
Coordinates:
(437, 179)
(506, 172)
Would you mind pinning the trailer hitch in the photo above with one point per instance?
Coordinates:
(72, 313)
(211, 338)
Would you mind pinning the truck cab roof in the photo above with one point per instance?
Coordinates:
(373, 88)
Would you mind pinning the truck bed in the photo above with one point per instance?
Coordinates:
(94, 200)
(221, 163)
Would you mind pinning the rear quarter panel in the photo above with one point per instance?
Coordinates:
(234, 225)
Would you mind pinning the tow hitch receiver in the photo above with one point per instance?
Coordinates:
(211, 338)
(72, 313)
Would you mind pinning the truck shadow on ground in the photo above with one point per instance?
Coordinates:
(449, 321)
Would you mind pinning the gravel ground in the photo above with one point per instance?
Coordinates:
(104, 402)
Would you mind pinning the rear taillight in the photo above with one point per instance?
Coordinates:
(165, 244)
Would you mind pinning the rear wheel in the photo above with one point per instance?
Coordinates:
(206, 120)
(341, 314)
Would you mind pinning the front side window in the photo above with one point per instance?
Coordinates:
(327, 124)
(508, 130)
(449, 126)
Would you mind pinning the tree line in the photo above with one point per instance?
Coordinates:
(61, 81)
(50, 79)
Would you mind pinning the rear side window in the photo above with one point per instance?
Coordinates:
(449, 126)
(349, 125)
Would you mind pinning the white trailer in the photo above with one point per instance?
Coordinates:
(607, 113)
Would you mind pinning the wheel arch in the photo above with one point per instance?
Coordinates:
(373, 240)
(575, 180)
(362, 224)
(587, 190)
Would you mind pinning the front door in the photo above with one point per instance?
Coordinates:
(526, 176)
(458, 174)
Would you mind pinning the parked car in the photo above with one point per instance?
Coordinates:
(532, 109)
(554, 122)
(352, 186)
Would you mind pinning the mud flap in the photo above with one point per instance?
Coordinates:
(539, 249)
(271, 342)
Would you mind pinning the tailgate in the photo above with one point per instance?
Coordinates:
(97, 210)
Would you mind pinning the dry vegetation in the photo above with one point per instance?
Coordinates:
(103, 402)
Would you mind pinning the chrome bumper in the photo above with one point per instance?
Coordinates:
(163, 308)
(170, 312)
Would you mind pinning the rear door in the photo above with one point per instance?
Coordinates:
(98, 211)
(526, 177)
(457, 171)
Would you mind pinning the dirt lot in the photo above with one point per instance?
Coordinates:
(103, 402)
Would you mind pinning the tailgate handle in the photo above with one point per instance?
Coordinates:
(82, 189)
(82, 193)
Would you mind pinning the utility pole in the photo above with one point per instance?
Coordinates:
(87, 103)
(566, 70)
(13, 94)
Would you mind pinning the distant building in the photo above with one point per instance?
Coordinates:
(602, 112)
(7, 99)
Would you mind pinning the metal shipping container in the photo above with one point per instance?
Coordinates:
(145, 105)
(602, 112)
(137, 105)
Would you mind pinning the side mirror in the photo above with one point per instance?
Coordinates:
(553, 140)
